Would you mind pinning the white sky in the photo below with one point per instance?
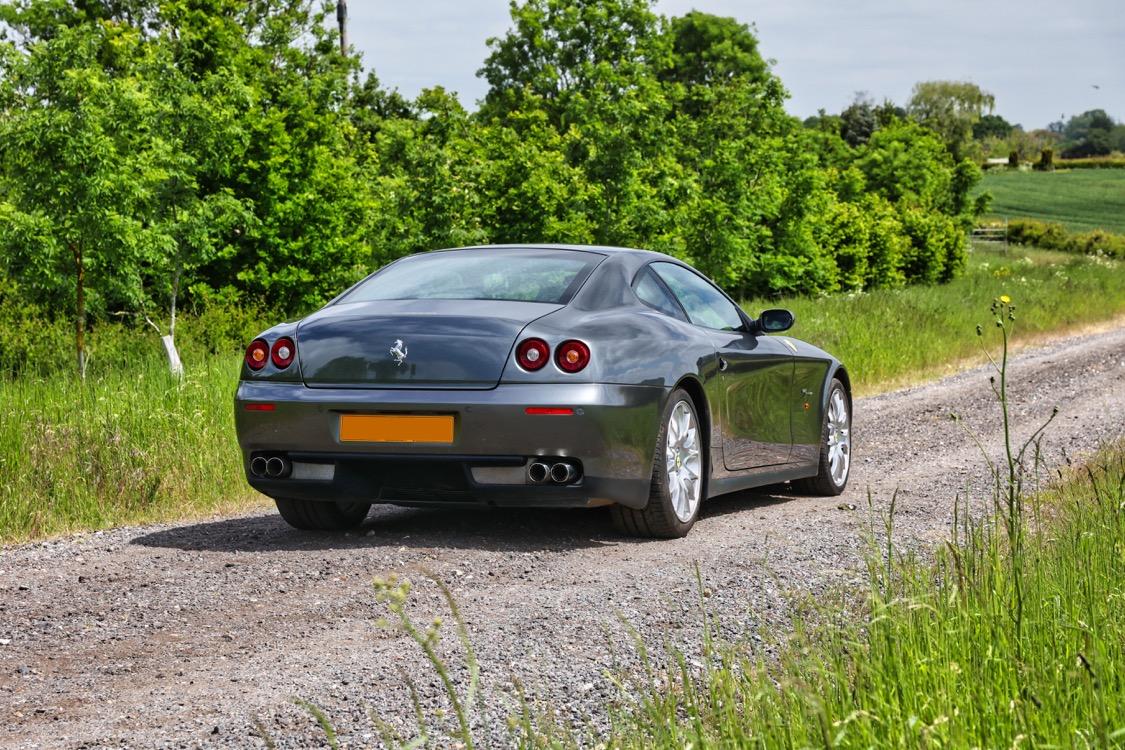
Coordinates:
(1040, 58)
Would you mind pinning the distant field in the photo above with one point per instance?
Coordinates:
(1082, 199)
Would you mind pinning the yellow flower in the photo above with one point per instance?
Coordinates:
(1005, 299)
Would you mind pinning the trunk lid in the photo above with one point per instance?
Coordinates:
(412, 343)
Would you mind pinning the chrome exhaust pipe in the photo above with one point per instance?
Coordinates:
(538, 472)
(562, 473)
(258, 466)
(277, 467)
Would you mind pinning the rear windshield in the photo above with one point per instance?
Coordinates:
(519, 275)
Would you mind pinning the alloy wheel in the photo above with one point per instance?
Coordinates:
(683, 461)
(839, 438)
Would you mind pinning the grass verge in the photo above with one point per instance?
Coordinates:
(1082, 199)
(936, 658)
(894, 337)
(123, 447)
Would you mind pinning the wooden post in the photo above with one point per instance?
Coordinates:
(342, 20)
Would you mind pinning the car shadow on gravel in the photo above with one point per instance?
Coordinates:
(496, 529)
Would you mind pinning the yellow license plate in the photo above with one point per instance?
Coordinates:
(396, 428)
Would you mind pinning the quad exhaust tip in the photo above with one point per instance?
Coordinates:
(538, 472)
(258, 466)
(562, 473)
(558, 472)
(274, 467)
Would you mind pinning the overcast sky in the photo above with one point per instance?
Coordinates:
(1040, 58)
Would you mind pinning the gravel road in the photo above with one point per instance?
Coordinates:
(187, 634)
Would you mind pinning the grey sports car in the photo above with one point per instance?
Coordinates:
(537, 375)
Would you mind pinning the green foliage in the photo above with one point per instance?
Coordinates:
(1046, 161)
(168, 145)
(707, 49)
(858, 121)
(951, 109)
(1089, 134)
(214, 150)
(1056, 237)
(991, 126)
(1113, 161)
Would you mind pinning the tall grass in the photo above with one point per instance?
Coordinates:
(935, 658)
(122, 447)
(890, 337)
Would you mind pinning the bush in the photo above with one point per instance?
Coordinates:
(938, 247)
(1113, 161)
(30, 341)
(1051, 236)
(1046, 161)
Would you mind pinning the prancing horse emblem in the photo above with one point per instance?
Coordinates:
(398, 352)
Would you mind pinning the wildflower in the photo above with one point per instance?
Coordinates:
(1005, 299)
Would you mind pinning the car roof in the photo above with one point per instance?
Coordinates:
(601, 249)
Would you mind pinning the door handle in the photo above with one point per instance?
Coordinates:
(723, 365)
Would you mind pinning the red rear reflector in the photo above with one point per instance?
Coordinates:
(260, 407)
(558, 411)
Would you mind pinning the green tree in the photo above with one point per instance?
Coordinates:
(81, 171)
(991, 126)
(950, 109)
(705, 50)
(858, 120)
(1088, 134)
(560, 50)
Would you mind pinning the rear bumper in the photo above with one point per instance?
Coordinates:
(611, 435)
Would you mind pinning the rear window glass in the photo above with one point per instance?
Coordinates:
(519, 275)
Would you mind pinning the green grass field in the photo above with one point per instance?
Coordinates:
(132, 444)
(1081, 199)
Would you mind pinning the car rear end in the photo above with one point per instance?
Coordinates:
(434, 401)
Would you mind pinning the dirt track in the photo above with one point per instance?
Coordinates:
(183, 635)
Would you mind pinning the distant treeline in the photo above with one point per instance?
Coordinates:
(164, 152)
(961, 114)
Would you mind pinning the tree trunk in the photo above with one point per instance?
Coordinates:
(80, 308)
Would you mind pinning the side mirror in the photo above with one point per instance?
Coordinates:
(775, 321)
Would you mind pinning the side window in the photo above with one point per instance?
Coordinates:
(705, 305)
(650, 291)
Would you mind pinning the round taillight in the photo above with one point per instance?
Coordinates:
(532, 354)
(283, 351)
(572, 356)
(257, 354)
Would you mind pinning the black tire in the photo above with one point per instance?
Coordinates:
(313, 515)
(658, 519)
(824, 483)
